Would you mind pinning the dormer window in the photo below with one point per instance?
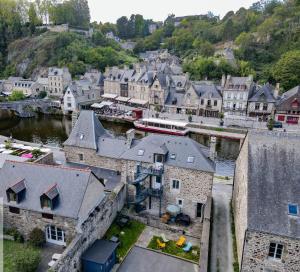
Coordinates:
(158, 158)
(16, 193)
(49, 200)
(190, 159)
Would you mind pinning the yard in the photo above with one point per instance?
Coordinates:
(172, 249)
(20, 257)
(127, 235)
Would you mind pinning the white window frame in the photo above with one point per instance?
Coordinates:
(182, 202)
(275, 252)
(175, 190)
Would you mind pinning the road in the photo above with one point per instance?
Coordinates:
(221, 248)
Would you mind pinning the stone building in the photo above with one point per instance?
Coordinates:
(262, 103)
(178, 169)
(54, 199)
(266, 202)
(203, 98)
(58, 80)
(288, 107)
(236, 92)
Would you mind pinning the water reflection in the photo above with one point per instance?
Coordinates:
(54, 130)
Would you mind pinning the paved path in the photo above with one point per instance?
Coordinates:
(221, 249)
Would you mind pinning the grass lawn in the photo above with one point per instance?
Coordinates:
(172, 249)
(130, 236)
(13, 251)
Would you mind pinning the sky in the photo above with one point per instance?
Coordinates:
(111, 10)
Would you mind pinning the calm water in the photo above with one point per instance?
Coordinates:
(54, 130)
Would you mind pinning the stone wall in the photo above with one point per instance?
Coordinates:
(93, 228)
(195, 186)
(91, 158)
(239, 198)
(46, 159)
(255, 257)
(26, 221)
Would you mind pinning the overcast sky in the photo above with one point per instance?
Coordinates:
(111, 10)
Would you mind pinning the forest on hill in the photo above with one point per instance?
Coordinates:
(265, 39)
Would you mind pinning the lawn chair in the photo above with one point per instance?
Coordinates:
(160, 244)
(188, 247)
(180, 241)
(163, 237)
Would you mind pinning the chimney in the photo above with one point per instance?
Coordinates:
(277, 90)
(212, 148)
(129, 137)
(223, 82)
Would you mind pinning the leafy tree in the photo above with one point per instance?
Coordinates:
(16, 96)
(33, 18)
(204, 48)
(287, 69)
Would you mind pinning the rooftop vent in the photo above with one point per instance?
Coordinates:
(81, 136)
(173, 156)
(190, 159)
(141, 152)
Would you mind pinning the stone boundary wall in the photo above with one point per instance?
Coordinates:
(204, 245)
(46, 159)
(92, 229)
(156, 223)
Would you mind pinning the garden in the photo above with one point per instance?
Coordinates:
(172, 248)
(23, 151)
(127, 235)
(20, 256)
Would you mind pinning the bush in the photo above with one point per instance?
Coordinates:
(27, 261)
(37, 237)
(18, 237)
(36, 153)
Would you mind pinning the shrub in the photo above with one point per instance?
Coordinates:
(27, 261)
(37, 237)
(36, 153)
(18, 237)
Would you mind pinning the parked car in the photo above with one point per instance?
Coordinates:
(277, 124)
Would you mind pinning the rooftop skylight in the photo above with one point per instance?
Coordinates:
(141, 152)
(190, 159)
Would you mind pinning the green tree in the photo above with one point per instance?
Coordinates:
(33, 18)
(16, 96)
(287, 69)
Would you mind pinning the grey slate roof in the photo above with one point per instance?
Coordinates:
(273, 182)
(175, 98)
(100, 251)
(86, 131)
(263, 93)
(182, 147)
(206, 89)
(79, 191)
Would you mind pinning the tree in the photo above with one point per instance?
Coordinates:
(287, 69)
(16, 96)
(33, 18)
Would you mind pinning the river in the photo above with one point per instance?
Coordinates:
(54, 130)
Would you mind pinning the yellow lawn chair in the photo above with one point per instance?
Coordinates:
(160, 244)
(181, 241)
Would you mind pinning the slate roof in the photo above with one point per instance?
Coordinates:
(175, 98)
(285, 103)
(206, 89)
(263, 93)
(78, 195)
(100, 251)
(182, 147)
(273, 182)
(112, 147)
(86, 131)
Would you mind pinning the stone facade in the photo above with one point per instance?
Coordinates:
(239, 198)
(256, 250)
(91, 158)
(58, 80)
(27, 220)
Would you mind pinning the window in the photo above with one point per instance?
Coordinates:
(80, 157)
(158, 158)
(293, 209)
(275, 251)
(215, 103)
(46, 203)
(257, 105)
(173, 156)
(265, 106)
(47, 216)
(141, 152)
(202, 101)
(14, 210)
(180, 202)
(190, 159)
(175, 184)
(12, 196)
(69, 105)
